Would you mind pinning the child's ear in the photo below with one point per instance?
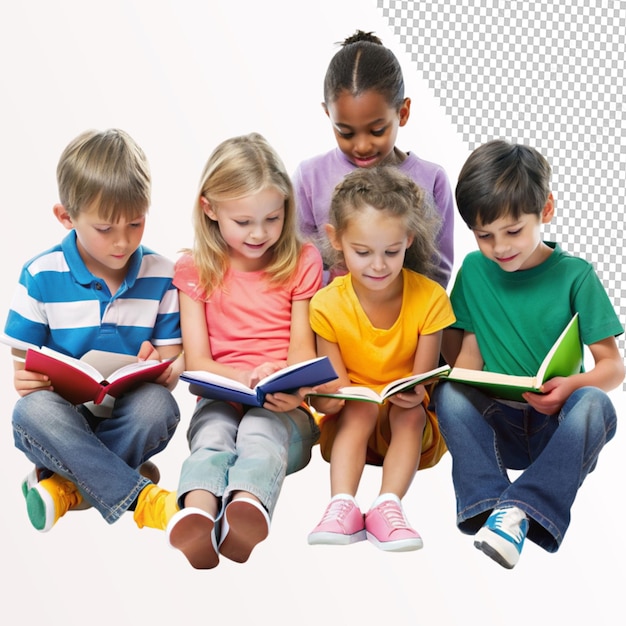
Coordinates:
(325, 109)
(547, 212)
(61, 213)
(331, 233)
(206, 207)
(405, 111)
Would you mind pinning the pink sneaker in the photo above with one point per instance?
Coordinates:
(388, 529)
(342, 524)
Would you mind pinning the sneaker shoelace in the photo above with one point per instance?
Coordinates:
(336, 510)
(393, 514)
(68, 495)
(509, 521)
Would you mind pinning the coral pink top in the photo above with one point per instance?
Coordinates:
(249, 319)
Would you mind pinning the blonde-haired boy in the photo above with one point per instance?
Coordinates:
(98, 289)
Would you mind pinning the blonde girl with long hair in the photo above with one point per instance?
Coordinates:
(244, 289)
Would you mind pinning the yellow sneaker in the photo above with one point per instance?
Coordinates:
(49, 500)
(155, 507)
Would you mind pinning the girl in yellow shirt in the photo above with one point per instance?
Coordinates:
(381, 321)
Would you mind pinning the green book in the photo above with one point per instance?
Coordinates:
(564, 359)
(366, 394)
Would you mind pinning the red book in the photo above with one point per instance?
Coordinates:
(79, 381)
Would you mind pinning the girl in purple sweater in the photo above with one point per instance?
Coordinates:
(364, 100)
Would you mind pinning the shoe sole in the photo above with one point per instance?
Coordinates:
(509, 561)
(191, 532)
(38, 503)
(397, 545)
(150, 471)
(245, 526)
(32, 480)
(335, 539)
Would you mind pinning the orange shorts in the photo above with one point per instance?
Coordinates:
(433, 444)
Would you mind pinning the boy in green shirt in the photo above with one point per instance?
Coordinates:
(512, 299)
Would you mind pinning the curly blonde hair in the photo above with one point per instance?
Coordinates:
(387, 190)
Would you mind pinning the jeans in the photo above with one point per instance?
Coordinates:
(250, 449)
(100, 456)
(556, 452)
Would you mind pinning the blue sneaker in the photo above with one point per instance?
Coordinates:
(502, 536)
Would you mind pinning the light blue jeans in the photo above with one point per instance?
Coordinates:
(556, 452)
(253, 452)
(100, 456)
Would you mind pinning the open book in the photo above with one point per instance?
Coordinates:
(94, 376)
(563, 359)
(289, 379)
(397, 386)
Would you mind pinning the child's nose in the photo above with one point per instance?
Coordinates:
(258, 230)
(500, 246)
(362, 145)
(378, 262)
(121, 240)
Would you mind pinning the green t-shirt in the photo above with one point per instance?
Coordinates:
(517, 316)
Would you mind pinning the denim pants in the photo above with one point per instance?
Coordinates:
(100, 456)
(251, 449)
(555, 452)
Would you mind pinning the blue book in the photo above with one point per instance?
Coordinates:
(287, 380)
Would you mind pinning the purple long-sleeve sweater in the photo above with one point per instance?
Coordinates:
(315, 179)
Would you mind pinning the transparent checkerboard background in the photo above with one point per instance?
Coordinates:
(547, 74)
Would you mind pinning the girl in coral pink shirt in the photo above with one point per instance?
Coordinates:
(244, 290)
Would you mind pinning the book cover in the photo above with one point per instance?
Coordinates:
(366, 394)
(563, 359)
(306, 374)
(78, 381)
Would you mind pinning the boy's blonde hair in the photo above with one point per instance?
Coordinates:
(239, 167)
(386, 189)
(106, 167)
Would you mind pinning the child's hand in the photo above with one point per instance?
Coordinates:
(283, 402)
(409, 399)
(556, 392)
(26, 382)
(263, 370)
(327, 405)
(147, 352)
(332, 386)
(168, 378)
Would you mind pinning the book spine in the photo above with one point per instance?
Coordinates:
(101, 394)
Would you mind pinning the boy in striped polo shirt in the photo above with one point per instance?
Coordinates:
(99, 289)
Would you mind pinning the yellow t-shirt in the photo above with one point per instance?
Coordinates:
(374, 357)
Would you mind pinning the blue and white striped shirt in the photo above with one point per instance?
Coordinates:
(60, 304)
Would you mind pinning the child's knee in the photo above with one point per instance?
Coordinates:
(590, 409)
(36, 410)
(407, 420)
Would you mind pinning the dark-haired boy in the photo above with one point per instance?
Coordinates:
(512, 299)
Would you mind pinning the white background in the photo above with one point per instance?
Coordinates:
(180, 77)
